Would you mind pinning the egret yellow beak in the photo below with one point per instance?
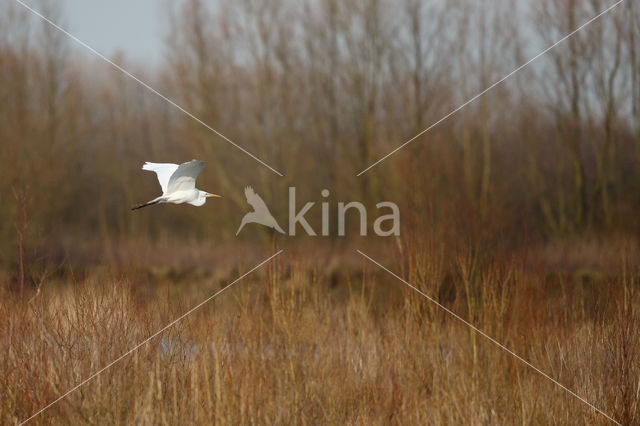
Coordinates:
(213, 195)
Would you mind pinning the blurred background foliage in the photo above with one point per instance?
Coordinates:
(320, 90)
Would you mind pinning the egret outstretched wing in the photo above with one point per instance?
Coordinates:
(184, 178)
(163, 171)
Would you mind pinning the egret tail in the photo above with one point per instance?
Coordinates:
(150, 203)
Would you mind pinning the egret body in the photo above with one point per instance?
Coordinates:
(178, 183)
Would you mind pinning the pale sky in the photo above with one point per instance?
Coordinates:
(136, 27)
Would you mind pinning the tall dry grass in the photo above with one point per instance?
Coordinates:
(289, 344)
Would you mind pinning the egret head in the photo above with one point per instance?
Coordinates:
(202, 198)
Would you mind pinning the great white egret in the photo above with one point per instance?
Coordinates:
(260, 213)
(178, 183)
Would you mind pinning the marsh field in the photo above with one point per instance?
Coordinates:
(510, 293)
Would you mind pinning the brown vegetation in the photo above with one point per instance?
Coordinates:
(286, 346)
(519, 213)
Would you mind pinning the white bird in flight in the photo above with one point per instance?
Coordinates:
(260, 213)
(178, 183)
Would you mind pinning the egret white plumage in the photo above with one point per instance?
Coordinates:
(178, 183)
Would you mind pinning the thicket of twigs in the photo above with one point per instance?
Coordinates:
(286, 346)
(320, 90)
(518, 212)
